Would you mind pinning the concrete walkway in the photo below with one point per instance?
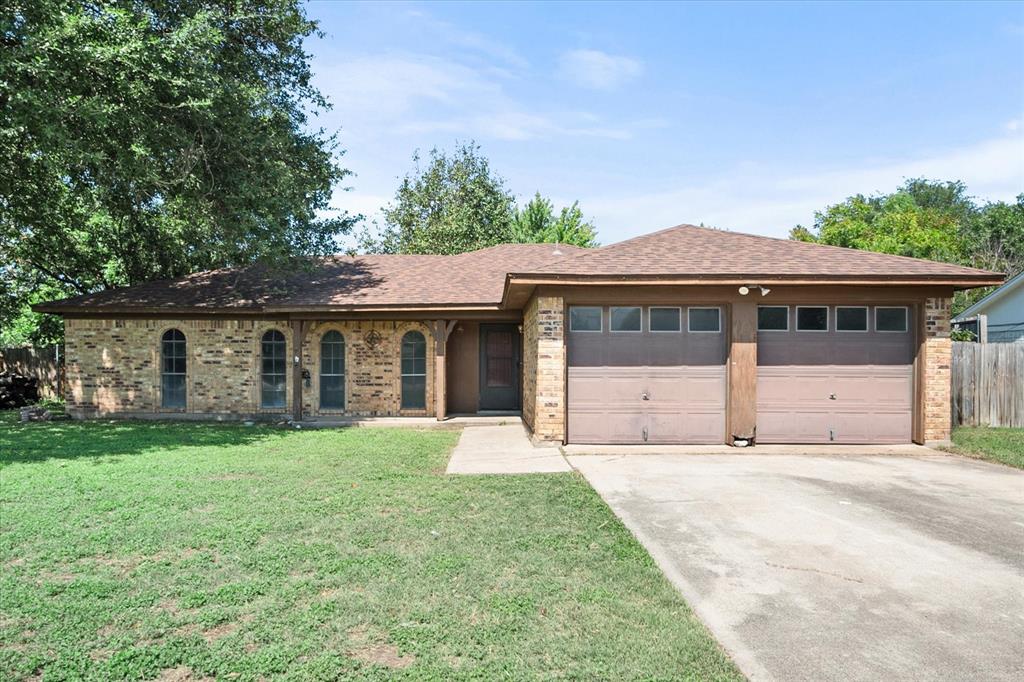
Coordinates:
(836, 568)
(503, 450)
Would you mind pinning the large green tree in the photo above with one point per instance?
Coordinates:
(537, 222)
(927, 219)
(454, 202)
(142, 139)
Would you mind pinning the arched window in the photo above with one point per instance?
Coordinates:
(172, 369)
(414, 371)
(332, 371)
(272, 393)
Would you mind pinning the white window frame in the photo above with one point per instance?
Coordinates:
(867, 320)
(775, 330)
(906, 319)
(625, 331)
(679, 312)
(828, 320)
(600, 311)
(690, 330)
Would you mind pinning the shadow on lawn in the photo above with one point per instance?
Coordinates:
(40, 441)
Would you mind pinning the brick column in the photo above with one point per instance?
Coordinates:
(544, 368)
(937, 374)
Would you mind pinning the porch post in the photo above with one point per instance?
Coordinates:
(296, 362)
(299, 330)
(441, 329)
(743, 371)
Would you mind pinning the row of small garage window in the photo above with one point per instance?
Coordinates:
(274, 364)
(808, 318)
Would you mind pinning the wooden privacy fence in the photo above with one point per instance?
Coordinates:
(988, 384)
(42, 363)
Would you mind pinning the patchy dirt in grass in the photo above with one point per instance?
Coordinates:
(172, 608)
(54, 577)
(366, 647)
(182, 673)
(219, 631)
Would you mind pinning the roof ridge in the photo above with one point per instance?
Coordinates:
(587, 253)
(845, 249)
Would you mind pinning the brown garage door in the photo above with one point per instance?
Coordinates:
(665, 385)
(844, 379)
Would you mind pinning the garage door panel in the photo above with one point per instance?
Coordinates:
(894, 392)
(588, 389)
(872, 404)
(792, 426)
(605, 426)
(790, 386)
(873, 426)
(684, 405)
(689, 426)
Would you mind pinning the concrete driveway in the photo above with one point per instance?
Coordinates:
(837, 568)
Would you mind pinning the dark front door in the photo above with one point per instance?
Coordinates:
(499, 367)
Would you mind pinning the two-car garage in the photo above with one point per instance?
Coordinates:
(658, 374)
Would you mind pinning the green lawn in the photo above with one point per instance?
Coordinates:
(994, 444)
(141, 550)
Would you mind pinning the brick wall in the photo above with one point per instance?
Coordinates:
(373, 372)
(113, 367)
(530, 363)
(937, 373)
(544, 368)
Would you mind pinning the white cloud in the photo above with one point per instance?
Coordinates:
(598, 70)
(470, 40)
(769, 200)
(513, 125)
(414, 94)
(386, 86)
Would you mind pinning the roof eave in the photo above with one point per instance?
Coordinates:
(966, 281)
(92, 310)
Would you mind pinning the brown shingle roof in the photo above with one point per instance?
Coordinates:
(473, 279)
(477, 279)
(701, 252)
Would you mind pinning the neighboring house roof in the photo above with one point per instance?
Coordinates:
(1013, 286)
(481, 279)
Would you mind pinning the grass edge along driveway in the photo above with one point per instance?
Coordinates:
(994, 444)
(183, 551)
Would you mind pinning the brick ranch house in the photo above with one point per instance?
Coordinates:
(687, 335)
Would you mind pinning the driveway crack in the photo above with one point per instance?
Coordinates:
(814, 570)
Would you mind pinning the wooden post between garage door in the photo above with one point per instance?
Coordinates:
(743, 371)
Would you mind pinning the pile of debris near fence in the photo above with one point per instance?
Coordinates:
(17, 390)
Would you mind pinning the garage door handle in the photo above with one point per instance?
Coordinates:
(644, 396)
(831, 396)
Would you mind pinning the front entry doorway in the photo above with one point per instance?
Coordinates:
(499, 367)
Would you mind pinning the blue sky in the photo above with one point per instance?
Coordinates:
(745, 116)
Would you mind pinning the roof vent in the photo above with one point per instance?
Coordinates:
(557, 251)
